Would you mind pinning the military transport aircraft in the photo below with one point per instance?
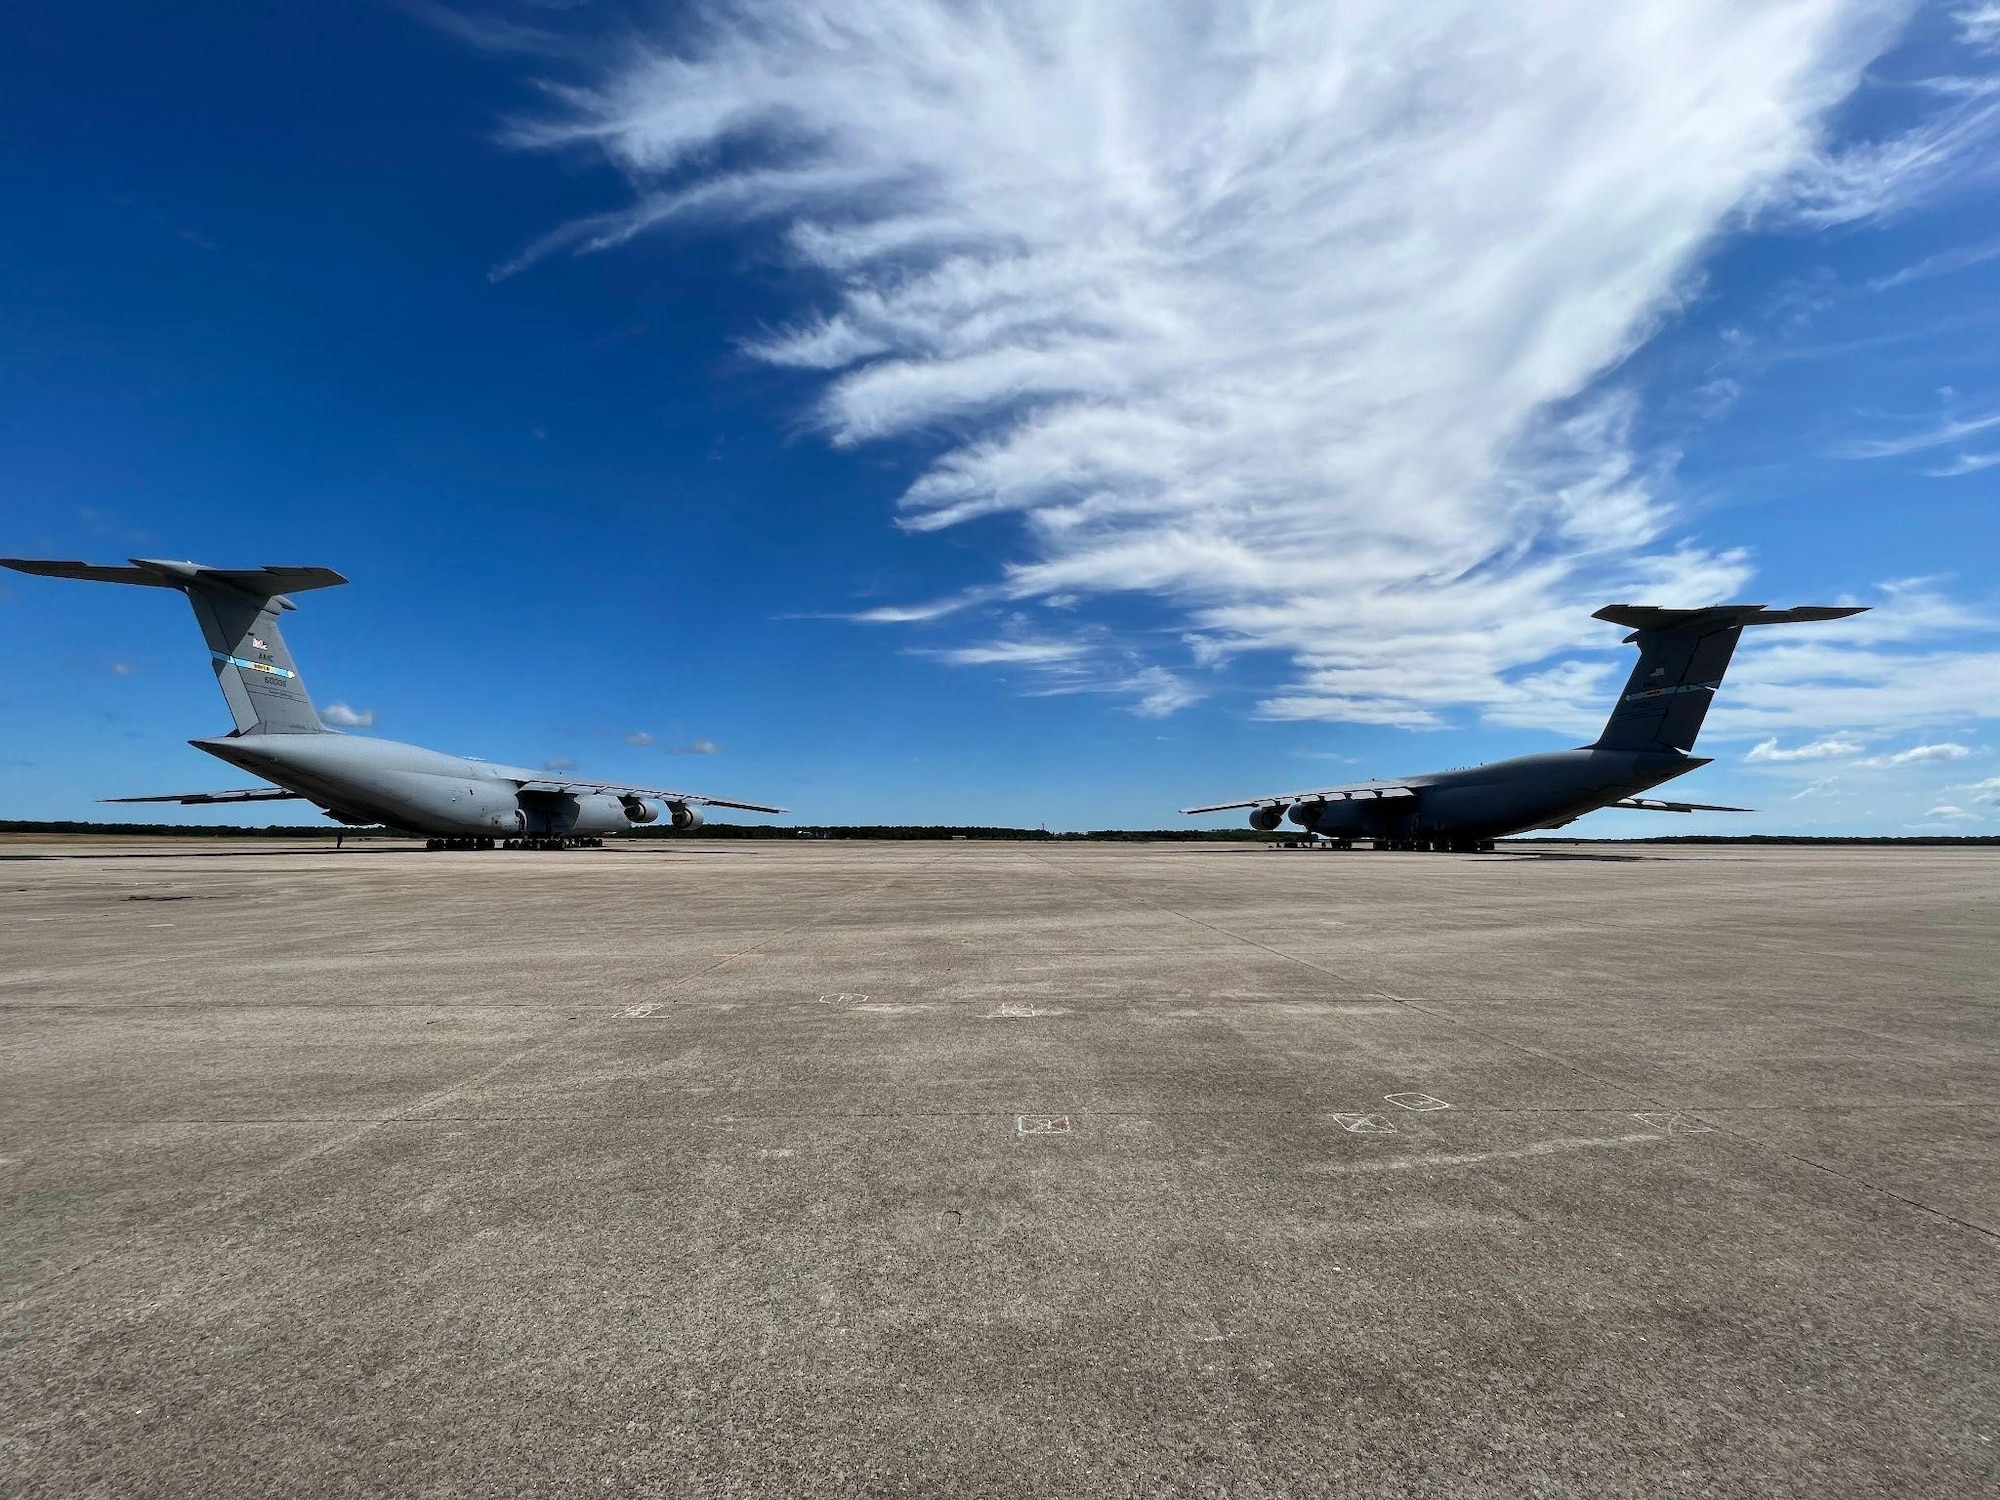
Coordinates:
(462, 803)
(1648, 739)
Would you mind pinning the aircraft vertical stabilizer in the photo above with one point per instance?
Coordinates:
(1683, 654)
(238, 610)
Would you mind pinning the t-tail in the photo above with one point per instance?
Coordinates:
(238, 610)
(1683, 654)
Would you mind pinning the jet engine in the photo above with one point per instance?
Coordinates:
(595, 813)
(1267, 819)
(639, 810)
(685, 817)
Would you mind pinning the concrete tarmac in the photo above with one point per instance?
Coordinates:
(999, 1170)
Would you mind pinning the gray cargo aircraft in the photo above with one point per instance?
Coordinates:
(1648, 739)
(462, 803)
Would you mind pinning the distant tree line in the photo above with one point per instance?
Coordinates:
(900, 832)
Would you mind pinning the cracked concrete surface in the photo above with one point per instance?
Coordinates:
(974, 1169)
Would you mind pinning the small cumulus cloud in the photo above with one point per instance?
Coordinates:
(123, 669)
(341, 716)
(1832, 746)
(696, 746)
(1979, 791)
(1155, 692)
(640, 737)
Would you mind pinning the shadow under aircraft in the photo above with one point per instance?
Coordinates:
(460, 802)
(1649, 739)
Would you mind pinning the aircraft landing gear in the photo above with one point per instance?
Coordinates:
(456, 844)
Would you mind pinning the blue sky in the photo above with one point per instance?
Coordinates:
(1037, 414)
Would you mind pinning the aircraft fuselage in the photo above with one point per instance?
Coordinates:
(1500, 798)
(406, 786)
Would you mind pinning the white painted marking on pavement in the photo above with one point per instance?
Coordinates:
(1363, 1125)
(1674, 1123)
(637, 1011)
(1042, 1125)
(1417, 1101)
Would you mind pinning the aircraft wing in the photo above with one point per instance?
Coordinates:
(199, 799)
(1359, 791)
(1651, 804)
(620, 789)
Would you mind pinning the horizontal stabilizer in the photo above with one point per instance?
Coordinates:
(1717, 616)
(201, 799)
(260, 583)
(1650, 804)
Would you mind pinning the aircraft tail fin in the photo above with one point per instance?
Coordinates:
(238, 610)
(1683, 654)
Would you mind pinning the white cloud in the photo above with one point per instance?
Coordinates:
(340, 716)
(1979, 24)
(123, 669)
(1965, 463)
(696, 746)
(1871, 180)
(1980, 791)
(641, 737)
(1953, 814)
(1941, 264)
(1920, 755)
(1012, 653)
(1826, 749)
(1294, 315)
(1939, 436)
(559, 763)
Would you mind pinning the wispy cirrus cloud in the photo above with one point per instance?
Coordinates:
(1918, 755)
(1965, 463)
(1832, 747)
(1937, 435)
(1295, 316)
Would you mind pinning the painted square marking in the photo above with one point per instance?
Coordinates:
(1042, 1125)
(842, 999)
(1416, 1101)
(1364, 1125)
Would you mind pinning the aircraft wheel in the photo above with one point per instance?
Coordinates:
(433, 844)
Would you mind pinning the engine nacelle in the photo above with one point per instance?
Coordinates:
(1267, 819)
(685, 817)
(639, 810)
(596, 813)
